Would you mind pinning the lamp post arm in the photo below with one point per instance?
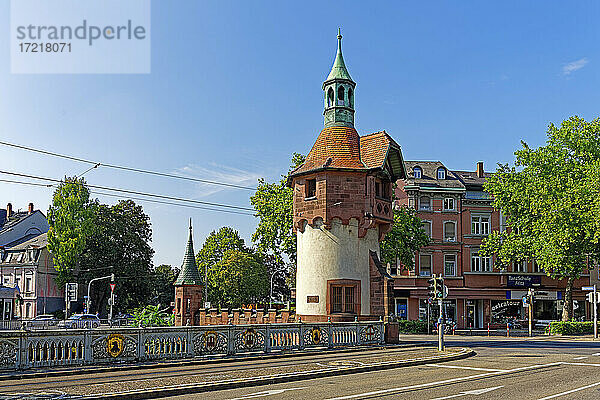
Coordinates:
(89, 299)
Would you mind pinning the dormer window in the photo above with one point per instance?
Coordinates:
(441, 173)
(417, 172)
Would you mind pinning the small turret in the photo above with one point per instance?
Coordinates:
(338, 89)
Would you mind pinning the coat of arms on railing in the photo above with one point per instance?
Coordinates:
(210, 342)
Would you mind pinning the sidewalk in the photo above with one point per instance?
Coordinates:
(411, 338)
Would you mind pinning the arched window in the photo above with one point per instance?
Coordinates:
(441, 173)
(351, 98)
(330, 97)
(340, 99)
(417, 172)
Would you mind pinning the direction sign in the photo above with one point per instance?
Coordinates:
(71, 291)
(112, 287)
(587, 288)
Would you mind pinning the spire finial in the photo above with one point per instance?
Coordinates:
(190, 224)
(339, 37)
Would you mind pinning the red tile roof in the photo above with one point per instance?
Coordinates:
(374, 149)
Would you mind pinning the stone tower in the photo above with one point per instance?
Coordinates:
(342, 209)
(188, 288)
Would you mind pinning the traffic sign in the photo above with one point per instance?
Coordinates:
(445, 292)
(112, 287)
(587, 288)
(71, 291)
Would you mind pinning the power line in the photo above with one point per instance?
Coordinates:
(130, 169)
(45, 185)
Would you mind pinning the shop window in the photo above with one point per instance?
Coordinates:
(425, 203)
(344, 296)
(425, 265)
(449, 204)
(449, 264)
(311, 188)
(402, 309)
(480, 225)
(450, 231)
(427, 227)
(535, 267)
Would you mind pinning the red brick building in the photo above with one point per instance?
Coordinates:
(457, 214)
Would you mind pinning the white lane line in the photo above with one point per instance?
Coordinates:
(570, 391)
(580, 358)
(469, 368)
(475, 392)
(266, 393)
(596, 354)
(429, 384)
(583, 364)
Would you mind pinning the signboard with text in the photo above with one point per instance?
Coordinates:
(523, 281)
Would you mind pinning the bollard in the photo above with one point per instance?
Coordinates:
(507, 330)
(488, 329)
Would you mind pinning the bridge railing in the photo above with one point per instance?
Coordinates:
(59, 347)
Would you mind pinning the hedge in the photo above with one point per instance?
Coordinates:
(570, 328)
(405, 326)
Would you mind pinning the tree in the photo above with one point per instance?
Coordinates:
(274, 236)
(152, 316)
(70, 223)
(406, 236)
(163, 292)
(238, 278)
(551, 202)
(119, 243)
(273, 203)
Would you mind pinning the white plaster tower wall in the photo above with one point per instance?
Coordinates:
(336, 253)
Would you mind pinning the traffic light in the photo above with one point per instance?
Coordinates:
(440, 288)
(433, 287)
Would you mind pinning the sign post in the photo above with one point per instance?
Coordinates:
(112, 300)
(594, 300)
(530, 311)
(70, 295)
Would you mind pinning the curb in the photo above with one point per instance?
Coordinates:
(174, 363)
(155, 393)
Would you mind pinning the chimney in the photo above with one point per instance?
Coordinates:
(8, 210)
(30, 210)
(480, 169)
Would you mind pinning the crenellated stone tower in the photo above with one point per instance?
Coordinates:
(342, 209)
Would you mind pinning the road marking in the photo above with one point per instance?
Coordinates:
(583, 364)
(570, 391)
(580, 358)
(266, 393)
(470, 368)
(596, 354)
(475, 392)
(461, 379)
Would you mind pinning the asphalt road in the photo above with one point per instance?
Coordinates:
(503, 369)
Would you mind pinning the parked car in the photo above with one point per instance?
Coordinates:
(81, 321)
(42, 321)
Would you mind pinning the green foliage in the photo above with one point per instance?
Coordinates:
(236, 275)
(163, 292)
(551, 200)
(69, 218)
(152, 316)
(273, 203)
(238, 278)
(416, 327)
(406, 237)
(119, 243)
(570, 328)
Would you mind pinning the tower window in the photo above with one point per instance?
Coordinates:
(343, 296)
(311, 188)
(340, 100)
(330, 97)
(351, 97)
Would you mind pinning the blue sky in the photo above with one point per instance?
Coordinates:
(235, 88)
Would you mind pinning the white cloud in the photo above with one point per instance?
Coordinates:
(574, 66)
(219, 173)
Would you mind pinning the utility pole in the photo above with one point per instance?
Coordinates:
(271, 292)
(530, 311)
(595, 305)
(112, 297)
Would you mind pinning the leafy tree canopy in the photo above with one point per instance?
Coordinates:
(406, 236)
(551, 200)
(163, 292)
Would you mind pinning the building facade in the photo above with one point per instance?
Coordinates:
(342, 209)
(28, 270)
(19, 226)
(457, 214)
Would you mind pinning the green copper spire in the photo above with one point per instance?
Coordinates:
(338, 93)
(339, 69)
(189, 271)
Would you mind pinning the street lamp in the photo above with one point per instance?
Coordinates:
(89, 299)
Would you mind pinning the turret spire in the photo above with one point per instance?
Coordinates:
(189, 271)
(339, 92)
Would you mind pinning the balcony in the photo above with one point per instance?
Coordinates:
(383, 209)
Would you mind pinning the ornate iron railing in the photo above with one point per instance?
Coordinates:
(50, 348)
